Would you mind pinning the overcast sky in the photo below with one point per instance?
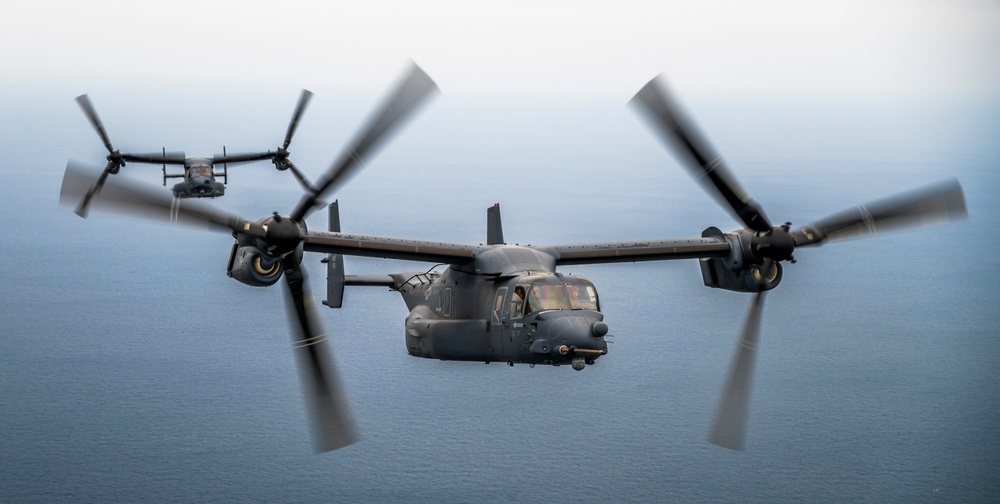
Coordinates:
(850, 48)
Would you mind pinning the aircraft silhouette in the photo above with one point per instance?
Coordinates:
(199, 172)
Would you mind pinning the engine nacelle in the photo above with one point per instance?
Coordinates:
(739, 272)
(249, 265)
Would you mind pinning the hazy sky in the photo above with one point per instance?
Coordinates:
(851, 48)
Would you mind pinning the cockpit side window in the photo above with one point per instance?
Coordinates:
(583, 297)
(517, 301)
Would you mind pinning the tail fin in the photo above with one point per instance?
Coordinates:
(334, 265)
(494, 227)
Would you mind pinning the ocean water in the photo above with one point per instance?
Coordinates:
(133, 370)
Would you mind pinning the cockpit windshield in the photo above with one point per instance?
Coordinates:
(546, 296)
(200, 171)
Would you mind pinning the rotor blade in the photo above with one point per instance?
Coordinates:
(131, 198)
(730, 423)
(300, 177)
(330, 413)
(667, 118)
(933, 204)
(95, 121)
(83, 208)
(411, 92)
(300, 107)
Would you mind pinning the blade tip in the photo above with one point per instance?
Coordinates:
(330, 441)
(737, 447)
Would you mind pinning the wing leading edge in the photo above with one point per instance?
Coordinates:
(651, 250)
(391, 248)
(456, 253)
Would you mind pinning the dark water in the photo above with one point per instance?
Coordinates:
(134, 370)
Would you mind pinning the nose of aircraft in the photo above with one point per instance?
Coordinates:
(578, 334)
(566, 337)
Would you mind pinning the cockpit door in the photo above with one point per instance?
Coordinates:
(497, 319)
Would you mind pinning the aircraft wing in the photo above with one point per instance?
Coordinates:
(171, 158)
(391, 248)
(634, 251)
(241, 158)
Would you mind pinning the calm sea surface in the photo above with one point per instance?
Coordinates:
(133, 370)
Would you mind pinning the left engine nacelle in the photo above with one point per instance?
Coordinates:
(249, 265)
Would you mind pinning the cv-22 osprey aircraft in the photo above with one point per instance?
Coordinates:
(508, 303)
(199, 175)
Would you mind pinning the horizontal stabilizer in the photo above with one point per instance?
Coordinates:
(370, 281)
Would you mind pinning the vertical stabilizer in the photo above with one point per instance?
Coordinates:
(494, 227)
(334, 265)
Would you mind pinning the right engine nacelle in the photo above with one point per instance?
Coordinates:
(735, 273)
(249, 265)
